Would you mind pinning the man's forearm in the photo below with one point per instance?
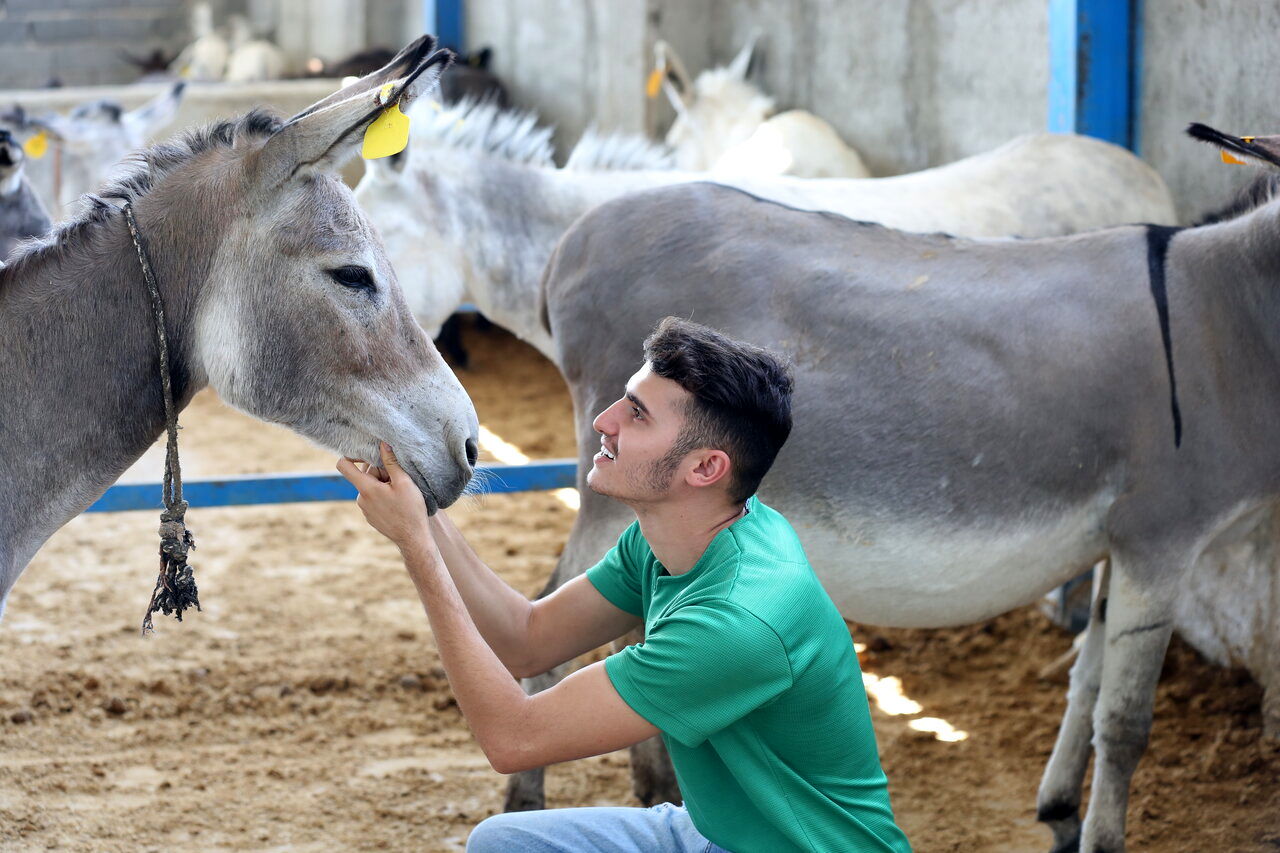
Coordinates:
(500, 613)
(488, 696)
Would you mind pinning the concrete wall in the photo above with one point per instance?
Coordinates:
(574, 61)
(1209, 62)
(911, 84)
(79, 42)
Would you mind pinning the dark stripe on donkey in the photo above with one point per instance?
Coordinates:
(1158, 237)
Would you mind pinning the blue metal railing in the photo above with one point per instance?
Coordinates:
(299, 488)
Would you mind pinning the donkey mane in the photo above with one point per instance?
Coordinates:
(137, 175)
(618, 152)
(485, 128)
(1261, 191)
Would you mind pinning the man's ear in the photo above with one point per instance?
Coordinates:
(326, 134)
(712, 466)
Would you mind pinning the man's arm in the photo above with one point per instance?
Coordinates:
(581, 716)
(528, 637)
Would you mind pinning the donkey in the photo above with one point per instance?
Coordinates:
(726, 125)
(92, 139)
(252, 59)
(976, 422)
(21, 213)
(277, 294)
(482, 206)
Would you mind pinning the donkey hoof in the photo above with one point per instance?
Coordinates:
(1070, 845)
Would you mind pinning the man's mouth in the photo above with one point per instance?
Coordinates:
(606, 453)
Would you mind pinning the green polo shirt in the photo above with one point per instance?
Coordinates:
(750, 673)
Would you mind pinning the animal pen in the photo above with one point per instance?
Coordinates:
(307, 708)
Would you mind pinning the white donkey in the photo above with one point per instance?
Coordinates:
(21, 213)
(252, 59)
(277, 294)
(90, 141)
(726, 125)
(481, 205)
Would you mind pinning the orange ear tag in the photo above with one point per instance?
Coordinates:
(1234, 161)
(654, 85)
(389, 132)
(36, 146)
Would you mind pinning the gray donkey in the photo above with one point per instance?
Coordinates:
(975, 422)
(278, 294)
(21, 213)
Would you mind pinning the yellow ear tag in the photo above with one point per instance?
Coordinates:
(1235, 161)
(37, 145)
(654, 84)
(389, 132)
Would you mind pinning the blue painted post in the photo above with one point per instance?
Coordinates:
(304, 488)
(1093, 76)
(444, 19)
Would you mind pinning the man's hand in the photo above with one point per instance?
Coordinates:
(390, 501)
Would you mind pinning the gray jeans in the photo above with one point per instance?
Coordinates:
(664, 828)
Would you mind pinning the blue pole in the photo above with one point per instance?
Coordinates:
(444, 19)
(304, 488)
(1092, 70)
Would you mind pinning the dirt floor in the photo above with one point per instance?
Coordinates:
(305, 708)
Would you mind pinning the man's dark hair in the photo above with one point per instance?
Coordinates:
(741, 398)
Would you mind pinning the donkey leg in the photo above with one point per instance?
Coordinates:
(653, 779)
(1138, 626)
(1058, 803)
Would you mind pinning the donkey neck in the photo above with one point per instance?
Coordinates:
(1237, 266)
(508, 217)
(80, 366)
(1224, 289)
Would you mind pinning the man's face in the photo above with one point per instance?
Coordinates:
(636, 434)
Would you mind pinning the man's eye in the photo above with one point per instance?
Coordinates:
(635, 413)
(357, 278)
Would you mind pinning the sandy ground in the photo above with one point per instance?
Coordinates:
(305, 708)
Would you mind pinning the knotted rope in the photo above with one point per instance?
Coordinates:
(176, 585)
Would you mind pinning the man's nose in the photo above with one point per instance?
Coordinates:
(602, 422)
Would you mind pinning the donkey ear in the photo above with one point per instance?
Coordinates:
(1260, 150)
(741, 64)
(326, 134)
(675, 79)
(155, 114)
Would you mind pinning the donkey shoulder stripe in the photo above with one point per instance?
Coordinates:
(1158, 238)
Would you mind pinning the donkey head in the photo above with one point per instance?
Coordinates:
(714, 112)
(107, 128)
(300, 319)
(95, 136)
(11, 160)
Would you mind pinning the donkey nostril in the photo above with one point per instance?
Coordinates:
(473, 452)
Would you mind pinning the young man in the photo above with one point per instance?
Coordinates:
(747, 670)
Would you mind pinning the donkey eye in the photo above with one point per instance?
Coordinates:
(357, 278)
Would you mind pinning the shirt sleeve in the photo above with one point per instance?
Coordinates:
(701, 669)
(617, 576)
